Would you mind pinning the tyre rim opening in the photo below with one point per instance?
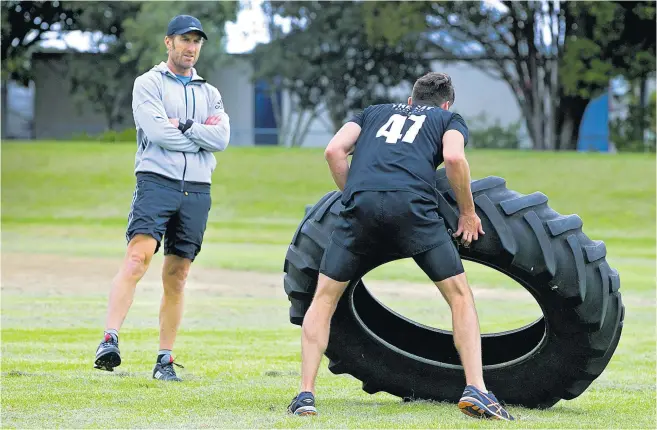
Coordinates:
(436, 345)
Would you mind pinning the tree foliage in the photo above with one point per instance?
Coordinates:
(145, 31)
(605, 39)
(326, 61)
(338, 57)
(128, 38)
(104, 78)
(555, 56)
(24, 23)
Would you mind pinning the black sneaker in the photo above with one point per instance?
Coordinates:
(107, 355)
(303, 404)
(164, 370)
(475, 403)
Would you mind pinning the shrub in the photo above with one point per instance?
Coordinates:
(633, 133)
(109, 136)
(484, 135)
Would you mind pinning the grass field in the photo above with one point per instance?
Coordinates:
(64, 211)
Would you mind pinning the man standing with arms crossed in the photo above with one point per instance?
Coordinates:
(180, 122)
(390, 203)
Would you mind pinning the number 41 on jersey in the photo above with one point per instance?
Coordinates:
(392, 130)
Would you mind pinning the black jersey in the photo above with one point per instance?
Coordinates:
(400, 147)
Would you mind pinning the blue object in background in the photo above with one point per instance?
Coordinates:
(594, 128)
(266, 132)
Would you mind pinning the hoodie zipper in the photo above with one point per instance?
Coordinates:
(182, 188)
(182, 183)
(193, 103)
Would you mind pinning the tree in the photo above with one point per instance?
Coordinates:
(607, 39)
(99, 79)
(108, 82)
(629, 134)
(326, 62)
(293, 103)
(130, 42)
(633, 54)
(504, 42)
(145, 31)
(24, 24)
(554, 55)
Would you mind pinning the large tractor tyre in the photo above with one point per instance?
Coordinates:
(556, 357)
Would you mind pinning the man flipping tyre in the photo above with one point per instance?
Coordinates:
(390, 206)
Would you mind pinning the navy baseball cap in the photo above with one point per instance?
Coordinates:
(182, 24)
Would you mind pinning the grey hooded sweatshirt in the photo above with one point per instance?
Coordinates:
(161, 147)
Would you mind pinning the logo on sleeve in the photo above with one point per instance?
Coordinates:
(219, 105)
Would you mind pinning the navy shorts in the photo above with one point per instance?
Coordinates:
(394, 224)
(166, 208)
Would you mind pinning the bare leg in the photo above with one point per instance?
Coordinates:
(467, 337)
(316, 328)
(137, 258)
(174, 278)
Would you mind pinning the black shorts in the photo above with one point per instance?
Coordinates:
(392, 224)
(162, 207)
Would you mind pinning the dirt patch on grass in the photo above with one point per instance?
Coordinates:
(57, 274)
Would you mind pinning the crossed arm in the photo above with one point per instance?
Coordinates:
(151, 116)
(212, 135)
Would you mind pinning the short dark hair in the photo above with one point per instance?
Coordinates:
(433, 89)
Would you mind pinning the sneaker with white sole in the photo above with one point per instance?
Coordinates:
(107, 355)
(303, 404)
(477, 404)
(164, 370)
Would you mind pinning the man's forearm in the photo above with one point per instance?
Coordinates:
(161, 131)
(339, 167)
(212, 138)
(458, 175)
